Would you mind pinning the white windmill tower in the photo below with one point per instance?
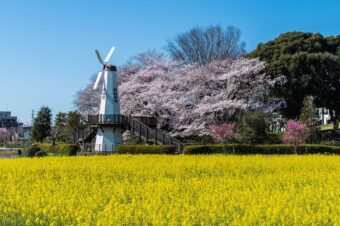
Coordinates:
(109, 132)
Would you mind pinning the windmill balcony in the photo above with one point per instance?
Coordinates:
(100, 119)
(119, 120)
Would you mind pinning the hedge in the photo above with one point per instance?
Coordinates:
(48, 147)
(59, 149)
(261, 149)
(145, 149)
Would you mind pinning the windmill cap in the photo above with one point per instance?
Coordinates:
(110, 67)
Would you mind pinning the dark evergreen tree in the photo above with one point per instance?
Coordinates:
(42, 124)
(311, 64)
(73, 120)
(309, 117)
(58, 132)
(251, 128)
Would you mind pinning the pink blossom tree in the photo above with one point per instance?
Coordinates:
(5, 136)
(224, 132)
(296, 133)
(189, 98)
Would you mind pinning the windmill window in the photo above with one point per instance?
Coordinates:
(115, 95)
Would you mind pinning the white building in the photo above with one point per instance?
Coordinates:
(324, 117)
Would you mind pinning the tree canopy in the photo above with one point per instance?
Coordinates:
(252, 128)
(42, 124)
(311, 64)
(205, 44)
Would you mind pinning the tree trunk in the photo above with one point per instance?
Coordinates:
(334, 119)
(335, 123)
(224, 146)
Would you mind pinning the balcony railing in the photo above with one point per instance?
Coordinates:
(106, 119)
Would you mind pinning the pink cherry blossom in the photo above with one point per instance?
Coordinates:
(296, 132)
(225, 131)
(188, 99)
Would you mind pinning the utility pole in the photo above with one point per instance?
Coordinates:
(32, 117)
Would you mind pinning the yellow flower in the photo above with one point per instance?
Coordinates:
(170, 190)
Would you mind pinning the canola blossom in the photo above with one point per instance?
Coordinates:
(171, 190)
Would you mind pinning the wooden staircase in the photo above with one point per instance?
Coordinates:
(142, 127)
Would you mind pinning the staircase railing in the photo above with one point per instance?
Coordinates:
(157, 136)
(134, 124)
(83, 134)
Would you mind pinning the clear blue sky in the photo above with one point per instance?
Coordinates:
(47, 47)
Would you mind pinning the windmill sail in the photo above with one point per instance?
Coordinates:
(97, 80)
(109, 54)
(99, 57)
(103, 63)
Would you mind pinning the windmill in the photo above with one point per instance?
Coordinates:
(109, 132)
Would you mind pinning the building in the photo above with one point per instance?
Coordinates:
(14, 130)
(324, 117)
(25, 133)
(8, 121)
(278, 123)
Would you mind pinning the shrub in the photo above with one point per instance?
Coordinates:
(41, 153)
(59, 149)
(273, 138)
(66, 149)
(251, 128)
(146, 149)
(47, 147)
(33, 150)
(261, 149)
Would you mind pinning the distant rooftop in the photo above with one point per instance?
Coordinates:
(7, 120)
(4, 114)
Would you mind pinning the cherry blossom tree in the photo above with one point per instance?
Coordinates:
(296, 133)
(87, 100)
(188, 99)
(224, 132)
(5, 136)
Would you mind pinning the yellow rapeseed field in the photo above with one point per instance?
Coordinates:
(171, 190)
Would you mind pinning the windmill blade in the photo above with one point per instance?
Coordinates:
(99, 57)
(109, 55)
(97, 80)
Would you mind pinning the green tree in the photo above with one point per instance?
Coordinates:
(58, 132)
(42, 124)
(311, 64)
(73, 120)
(309, 117)
(251, 128)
